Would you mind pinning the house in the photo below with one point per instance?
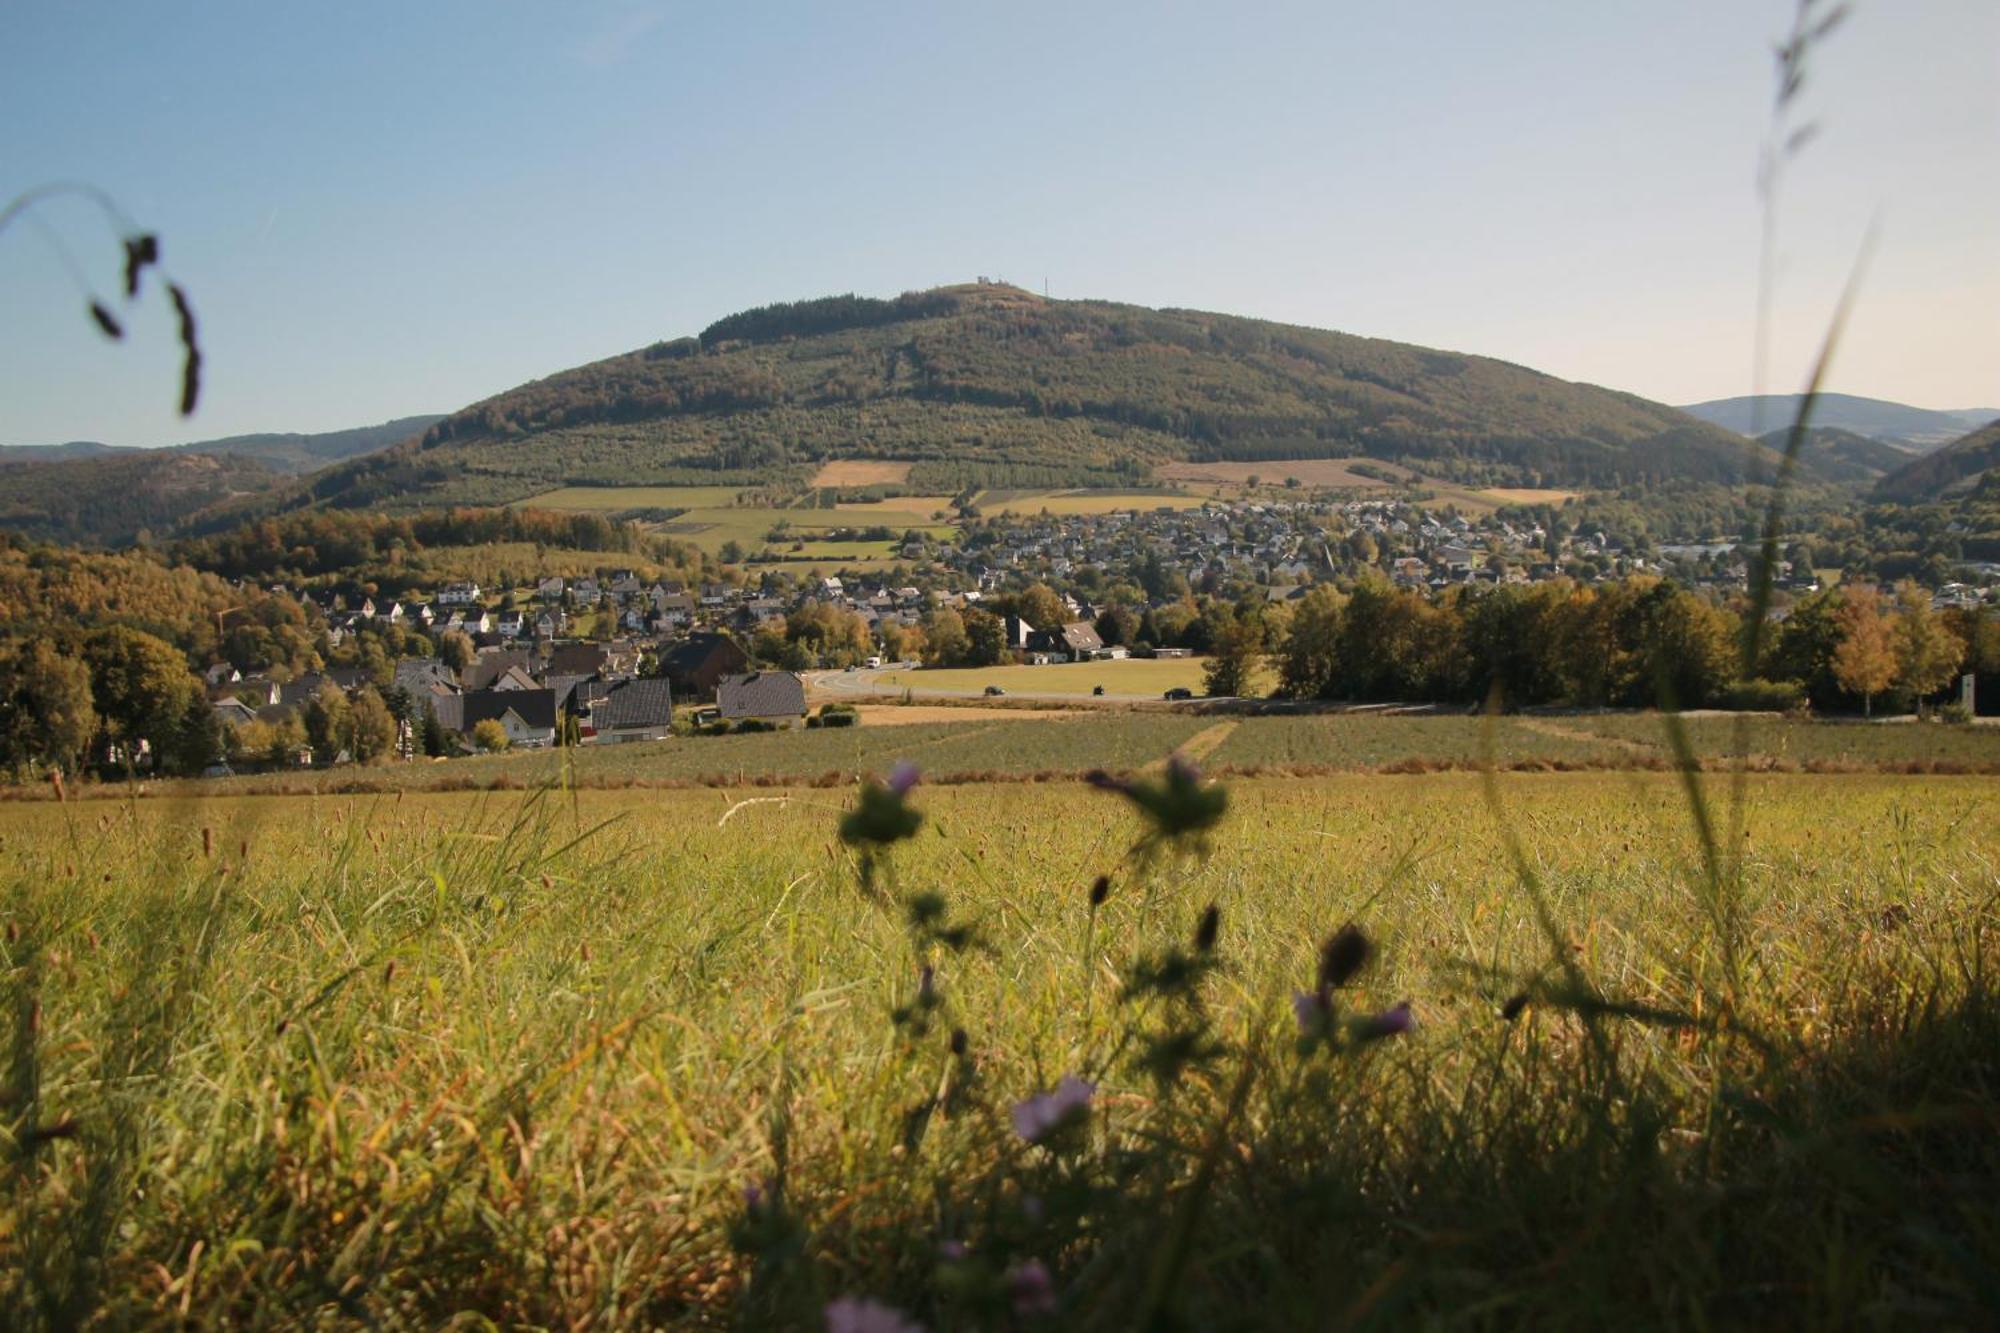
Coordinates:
(1077, 641)
(550, 589)
(697, 664)
(514, 678)
(490, 666)
(458, 594)
(776, 697)
(417, 676)
(638, 710)
(234, 711)
(527, 716)
(579, 659)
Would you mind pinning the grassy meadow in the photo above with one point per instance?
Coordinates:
(649, 1059)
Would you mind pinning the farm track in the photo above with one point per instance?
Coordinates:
(1556, 731)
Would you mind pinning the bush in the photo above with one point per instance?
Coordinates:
(1955, 714)
(749, 724)
(490, 736)
(1764, 696)
(715, 728)
(838, 719)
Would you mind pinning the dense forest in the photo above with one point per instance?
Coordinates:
(398, 552)
(990, 384)
(114, 499)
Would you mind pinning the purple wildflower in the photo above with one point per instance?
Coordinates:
(1044, 1112)
(1310, 1010)
(1392, 1022)
(753, 1197)
(857, 1314)
(902, 777)
(1031, 1289)
(1181, 770)
(952, 1251)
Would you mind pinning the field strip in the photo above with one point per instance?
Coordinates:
(1206, 741)
(1556, 730)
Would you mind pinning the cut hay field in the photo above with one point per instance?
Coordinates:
(1328, 472)
(1133, 678)
(612, 499)
(861, 472)
(1062, 502)
(639, 1060)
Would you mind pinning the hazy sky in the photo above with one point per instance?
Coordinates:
(384, 209)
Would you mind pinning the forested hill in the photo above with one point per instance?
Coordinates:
(1958, 467)
(283, 451)
(992, 385)
(111, 499)
(101, 495)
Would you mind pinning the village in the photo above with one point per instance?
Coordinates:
(609, 659)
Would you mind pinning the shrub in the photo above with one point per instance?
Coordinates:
(749, 724)
(1764, 696)
(490, 736)
(1955, 714)
(848, 719)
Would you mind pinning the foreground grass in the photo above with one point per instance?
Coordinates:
(391, 1060)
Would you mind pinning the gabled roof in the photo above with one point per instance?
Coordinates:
(691, 652)
(537, 708)
(636, 703)
(489, 667)
(762, 694)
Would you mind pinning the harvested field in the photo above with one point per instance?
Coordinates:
(861, 472)
(1335, 472)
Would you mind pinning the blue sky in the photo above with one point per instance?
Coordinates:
(384, 209)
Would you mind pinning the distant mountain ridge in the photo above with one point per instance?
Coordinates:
(1961, 466)
(1841, 455)
(289, 452)
(104, 495)
(991, 385)
(1916, 429)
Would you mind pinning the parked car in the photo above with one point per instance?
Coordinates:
(1179, 692)
(994, 691)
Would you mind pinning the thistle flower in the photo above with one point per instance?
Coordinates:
(858, 1314)
(1311, 1012)
(1179, 806)
(880, 817)
(1211, 926)
(1031, 1290)
(1100, 889)
(903, 777)
(1344, 954)
(927, 985)
(1391, 1022)
(1040, 1115)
